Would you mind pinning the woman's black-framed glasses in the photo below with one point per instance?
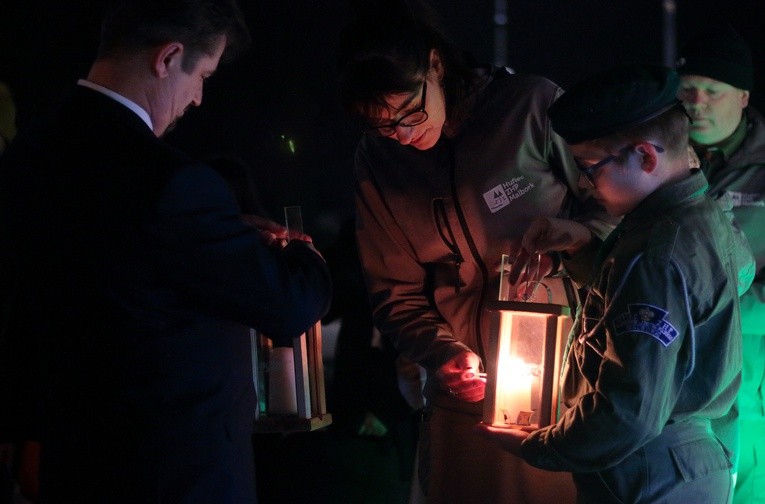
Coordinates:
(589, 171)
(413, 118)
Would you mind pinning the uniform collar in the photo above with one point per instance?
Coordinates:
(727, 146)
(658, 203)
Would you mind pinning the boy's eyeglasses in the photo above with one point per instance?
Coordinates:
(589, 171)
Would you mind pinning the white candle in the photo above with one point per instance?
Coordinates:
(282, 394)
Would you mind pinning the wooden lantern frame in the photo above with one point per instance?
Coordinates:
(308, 370)
(309, 384)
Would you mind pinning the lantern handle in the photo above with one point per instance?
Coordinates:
(532, 274)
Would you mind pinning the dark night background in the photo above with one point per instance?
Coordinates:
(276, 110)
(282, 92)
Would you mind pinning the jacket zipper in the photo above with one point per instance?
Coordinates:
(439, 210)
(473, 249)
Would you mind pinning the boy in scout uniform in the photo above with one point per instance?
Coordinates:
(655, 353)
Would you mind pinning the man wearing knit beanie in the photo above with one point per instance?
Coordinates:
(729, 137)
(717, 77)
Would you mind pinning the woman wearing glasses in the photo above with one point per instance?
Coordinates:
(456, 161)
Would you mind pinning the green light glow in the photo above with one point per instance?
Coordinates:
(288, 143)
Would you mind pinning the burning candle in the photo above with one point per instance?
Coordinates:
(525, 339)
(514, 383)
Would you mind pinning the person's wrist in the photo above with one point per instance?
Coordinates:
(579, 246)
(556, 263)
(575, 249)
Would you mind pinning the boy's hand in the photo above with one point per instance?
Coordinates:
(506, 438)
(548, 234)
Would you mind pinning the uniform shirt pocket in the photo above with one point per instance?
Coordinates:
(700, 458)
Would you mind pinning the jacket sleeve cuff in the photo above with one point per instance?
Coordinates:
(536, 452)
(579, 266)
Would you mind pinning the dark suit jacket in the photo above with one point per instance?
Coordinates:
(142, 282)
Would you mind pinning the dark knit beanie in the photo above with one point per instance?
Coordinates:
(721, 55)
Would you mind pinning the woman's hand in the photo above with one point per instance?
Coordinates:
(459, 377)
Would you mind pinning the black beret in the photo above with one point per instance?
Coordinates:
(721, 55)
(613, 100)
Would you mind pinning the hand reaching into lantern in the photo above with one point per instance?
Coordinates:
(533, 260)
(525, 273)
(547, 234)
(459, 377)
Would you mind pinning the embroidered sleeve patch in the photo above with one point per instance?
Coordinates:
(647, 319)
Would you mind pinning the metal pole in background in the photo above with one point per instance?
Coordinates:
(669, 32)
(500, 32)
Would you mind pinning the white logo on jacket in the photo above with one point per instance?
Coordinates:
(500, 196)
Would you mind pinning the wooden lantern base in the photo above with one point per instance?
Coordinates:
(291, 424)
(311, 404)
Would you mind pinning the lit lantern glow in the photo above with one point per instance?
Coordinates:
(525, 347)
(514, 385)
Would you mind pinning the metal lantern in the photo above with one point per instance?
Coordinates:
(526, 342)
(290, 380)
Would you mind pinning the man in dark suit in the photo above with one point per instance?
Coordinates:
(139, 277)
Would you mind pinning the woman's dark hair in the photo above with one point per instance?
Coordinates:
(389, 52)
(135, 25)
